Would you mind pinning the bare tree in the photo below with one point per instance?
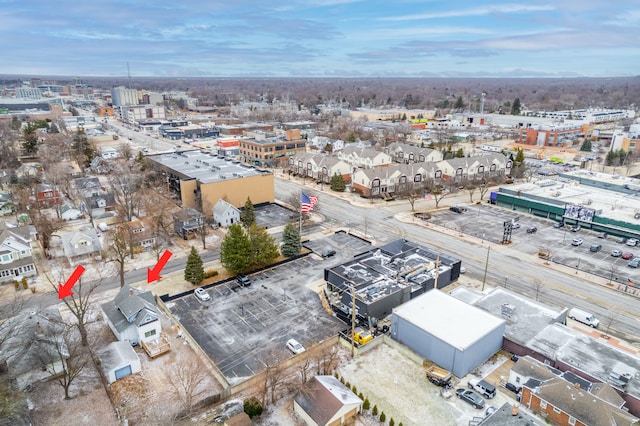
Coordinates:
(326, 360)
(304, 368)
(484, 188)
(471, 189)
(437, 191)
(607, 321)
(66, 347)
(538, 288)
(118, 251)
(79, 303)
(46, 227)
(127, 179)
(273, 378)
(187, 379)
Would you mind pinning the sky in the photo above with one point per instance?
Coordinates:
(321, 38)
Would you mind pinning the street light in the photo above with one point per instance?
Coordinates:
(506, 277)
(578, 266)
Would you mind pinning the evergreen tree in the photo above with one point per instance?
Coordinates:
(291, 244)
(586, 145)
(248, 215)
(194, 271)
(263, 247)
(459, 103)
(519, 156)
(515, 107)
(337, 183)
(459, 153)
(83, 150)
(30, 139)
(235, 250)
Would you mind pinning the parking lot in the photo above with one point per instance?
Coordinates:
(486, 221)
(242, 328)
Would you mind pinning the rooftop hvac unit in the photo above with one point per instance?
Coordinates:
(508, 310)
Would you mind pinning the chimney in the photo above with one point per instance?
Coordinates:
(514, 410)
(39, 328)
(576, 385)
(130, 292)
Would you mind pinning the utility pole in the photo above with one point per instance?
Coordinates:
(486, 266)
(435, 282)
(353, 319)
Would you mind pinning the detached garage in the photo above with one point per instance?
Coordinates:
(447, 331)
(118, 360)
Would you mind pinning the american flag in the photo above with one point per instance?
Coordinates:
(307, 202)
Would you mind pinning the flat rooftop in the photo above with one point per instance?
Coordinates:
(525, 317)
(204, 166)
(447, 318)
(562, 191)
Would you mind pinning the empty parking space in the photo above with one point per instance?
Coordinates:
(272, 215)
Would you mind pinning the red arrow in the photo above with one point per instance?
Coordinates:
(65, 290)
(154, 274)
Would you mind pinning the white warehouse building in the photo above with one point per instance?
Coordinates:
(447, 331)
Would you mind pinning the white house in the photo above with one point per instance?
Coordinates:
(364, 158)
(16, 257)
(75, 246)
(133, 316)
(225, 214)
(324, 401)
(109, 153)
(118, 360)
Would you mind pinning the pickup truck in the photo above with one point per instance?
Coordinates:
(439, 376)
(362, 336)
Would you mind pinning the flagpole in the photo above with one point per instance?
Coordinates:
(300, 218)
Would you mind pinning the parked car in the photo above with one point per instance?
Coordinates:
(635, 262)
(463, 270)
(483, 387)
(455, 209)
(616, 253)
(558, 225)
(295, 346)
(531, 230)
(515, 226)
(627, 255)
(632, 242)
(327, 252)
(511, 387)
(621, 240)
(575, 228)
(577, 242)
(470, 397)
(202, 294)
(243, 280)
(602, 235)
(595, 248)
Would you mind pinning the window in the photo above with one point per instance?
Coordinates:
(572, 421)
(150, 333)
(556, 410)
(517, 379)
(543, 404)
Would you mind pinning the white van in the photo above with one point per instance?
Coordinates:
(583, 317)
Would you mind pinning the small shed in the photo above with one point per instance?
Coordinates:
(447, 331)
(118, 360)
(324, 401)
(225, 214)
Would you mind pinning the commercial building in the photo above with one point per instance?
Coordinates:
(388, 276)
(121, 96)
(270, 151)
(201, 179)
(447, 331)
(557, 135)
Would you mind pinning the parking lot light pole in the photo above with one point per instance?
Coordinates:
(506, 277)
(578, 265)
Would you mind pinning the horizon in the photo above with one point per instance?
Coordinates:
(322, 39)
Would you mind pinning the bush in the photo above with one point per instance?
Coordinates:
(336, 375)
(16, 284)
(342, 380)
(367, 404)
(348, 385)
(361, 396)
(391, 422)
(354, 389)
(210, 273)
(252, 407)
(25, 285)
(383, 417)
(375, 410)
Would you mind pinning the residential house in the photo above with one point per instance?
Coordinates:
(364, 158)
(320, 167)
(406, 153)
(109, 153)
(28, 170)
(225, 214)
(394, 179)
(70, 212)
(16, 256)
(75, 246)
(475, 168)
(6, 204)
(321, 143)
(141, 233)
(72, 169)
(187, 221)
(324, 401)
(48, 196)
(118, 360)
(35, 349)
(133, 316)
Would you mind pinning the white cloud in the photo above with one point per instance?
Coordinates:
(481, 11)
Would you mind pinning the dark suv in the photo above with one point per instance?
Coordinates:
(243, 281)
(455, 209)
